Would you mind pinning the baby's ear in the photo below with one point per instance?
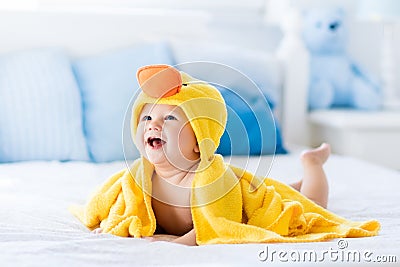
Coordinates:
(196, 149)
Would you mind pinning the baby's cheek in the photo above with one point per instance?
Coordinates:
(187, 139)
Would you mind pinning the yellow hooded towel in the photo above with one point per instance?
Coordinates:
(228, 204)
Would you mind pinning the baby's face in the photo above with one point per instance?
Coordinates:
(165, 136)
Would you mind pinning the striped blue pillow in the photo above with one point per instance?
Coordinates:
(40, 108)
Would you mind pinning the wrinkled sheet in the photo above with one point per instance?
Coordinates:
(36, 228)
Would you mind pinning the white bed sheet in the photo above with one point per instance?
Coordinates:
(36, 228)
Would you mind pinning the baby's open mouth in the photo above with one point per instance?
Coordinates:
(155, 142)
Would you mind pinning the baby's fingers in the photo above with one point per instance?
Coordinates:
(97, 231)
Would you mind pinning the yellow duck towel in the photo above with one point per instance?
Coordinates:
(228, 204)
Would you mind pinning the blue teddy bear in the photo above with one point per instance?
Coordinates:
(336, 81)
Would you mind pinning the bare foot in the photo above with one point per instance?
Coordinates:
(97, 231)
(318, 155)
(314, 184)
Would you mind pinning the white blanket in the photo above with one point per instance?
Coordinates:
(36, 228)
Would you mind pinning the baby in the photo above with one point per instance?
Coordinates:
(167, 140)
(180, 191)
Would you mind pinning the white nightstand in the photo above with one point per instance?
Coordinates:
(373, 136)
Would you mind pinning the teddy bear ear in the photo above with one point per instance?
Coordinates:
(159, 81)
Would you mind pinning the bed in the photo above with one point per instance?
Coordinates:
(36, 228)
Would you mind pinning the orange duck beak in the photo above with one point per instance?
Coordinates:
(159, 81)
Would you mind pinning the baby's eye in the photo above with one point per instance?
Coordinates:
(146, 118)
(170, 117)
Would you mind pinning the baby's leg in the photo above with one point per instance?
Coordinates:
(314, 184)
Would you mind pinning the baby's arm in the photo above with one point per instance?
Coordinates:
(188, 239)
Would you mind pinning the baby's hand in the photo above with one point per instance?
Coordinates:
(168, 238)
(97, 231)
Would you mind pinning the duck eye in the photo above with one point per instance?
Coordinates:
(170, 117)
(146, 118)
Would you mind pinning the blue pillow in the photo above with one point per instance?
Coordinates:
(107, 83)
(251, 128)
(40, 107)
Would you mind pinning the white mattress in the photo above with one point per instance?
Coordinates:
(37, 230)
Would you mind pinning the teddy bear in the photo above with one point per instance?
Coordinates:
(336, 80)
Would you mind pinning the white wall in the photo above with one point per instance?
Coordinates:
(240, 23)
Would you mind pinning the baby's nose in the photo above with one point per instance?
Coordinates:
(154, 126)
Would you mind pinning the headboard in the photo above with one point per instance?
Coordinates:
(85, 33)
(89, 32)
